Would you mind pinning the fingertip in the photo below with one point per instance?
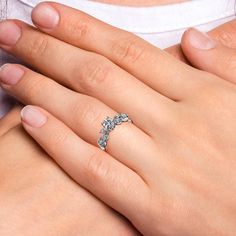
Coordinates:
(33, 117)
(196, 39)
(45, 16)
(184, 39)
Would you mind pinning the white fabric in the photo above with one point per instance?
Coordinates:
(160, 25)
(150, 22)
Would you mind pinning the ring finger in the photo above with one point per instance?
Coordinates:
(94, 170)
(81, 113)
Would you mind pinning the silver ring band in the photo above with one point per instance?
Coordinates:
(108, 125)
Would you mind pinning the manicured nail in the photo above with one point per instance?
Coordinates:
(9, 33)
(200, 40)
(10, 74)
(33, 117)
(45, 16)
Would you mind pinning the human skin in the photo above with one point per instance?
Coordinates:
(49, 178)
(164, 173)
(38, 198)
(219, 34)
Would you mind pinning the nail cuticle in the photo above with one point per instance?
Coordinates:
(10, 33)
(45, 16)
(10, 74)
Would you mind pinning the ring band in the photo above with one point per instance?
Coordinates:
(108, 125)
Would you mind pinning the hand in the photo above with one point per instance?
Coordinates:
(224, 34)
(219, 59)
(163, 171)
(208, 60)
(37, 197)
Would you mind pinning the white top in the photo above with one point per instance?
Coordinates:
(160, 25)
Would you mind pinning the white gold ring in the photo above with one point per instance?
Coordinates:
(108, 125)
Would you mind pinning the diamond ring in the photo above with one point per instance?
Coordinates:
(108, 125)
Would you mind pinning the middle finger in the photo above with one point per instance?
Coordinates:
(86, 72)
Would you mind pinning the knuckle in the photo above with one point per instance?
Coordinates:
(78, 28)
(88, 111)
(32, 88)
(128, 50)
(37, 46)
(224, 37)
(35, 88)
(95, 74)
(57, 139)
(227, 35)
(97, 168)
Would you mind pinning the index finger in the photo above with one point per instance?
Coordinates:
(151, 65)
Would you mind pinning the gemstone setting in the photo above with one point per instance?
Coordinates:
(120, 118)
(102, 141)
(108, 125)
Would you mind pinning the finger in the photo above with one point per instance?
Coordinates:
(135, 55)
(86, 72)
(177, 52)
(83, 114)
(10, 120)
(208, 55)
(224, 34)
(111, 181)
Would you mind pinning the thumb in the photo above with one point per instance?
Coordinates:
(224, 34)
(207, 54)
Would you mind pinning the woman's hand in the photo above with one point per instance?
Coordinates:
(38, 198)
(224, 35)
(219, 59)
(172, 171)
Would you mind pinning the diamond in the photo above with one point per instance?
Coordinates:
(102, 142)
(108, 125)
(104, 131)
(118, 119)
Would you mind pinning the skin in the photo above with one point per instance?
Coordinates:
(38, 198)
(220, 34)
(162, 189)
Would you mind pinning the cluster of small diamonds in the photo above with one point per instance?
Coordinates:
(108, 125)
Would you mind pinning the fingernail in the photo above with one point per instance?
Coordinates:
(200, 40)
(10, 74)
(45, 16)
(9, 33)
(33, 117)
